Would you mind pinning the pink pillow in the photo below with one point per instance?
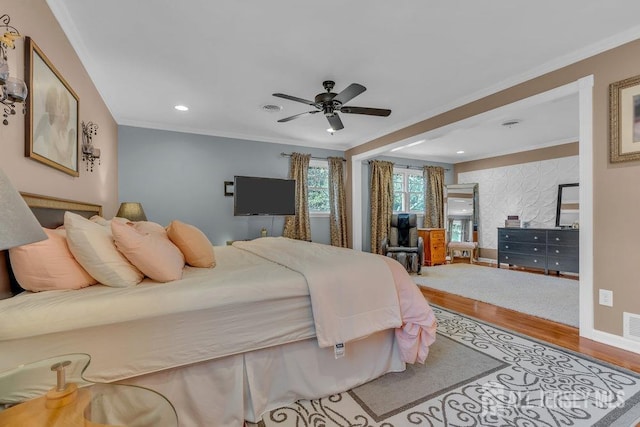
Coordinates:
(194, 244)
(151, 253)
(48, 265)
(148, 227)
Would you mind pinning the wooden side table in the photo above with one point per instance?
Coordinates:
(435, 251)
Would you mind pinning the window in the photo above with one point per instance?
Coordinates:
(408, 191)
(318, 185)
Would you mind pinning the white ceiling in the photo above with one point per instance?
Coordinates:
(225, 58)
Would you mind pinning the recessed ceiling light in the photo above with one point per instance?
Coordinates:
(510, 123)
(460, 152)
(330, 130)
(271, 108)
(181, 108)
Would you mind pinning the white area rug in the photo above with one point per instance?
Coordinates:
(549, 297)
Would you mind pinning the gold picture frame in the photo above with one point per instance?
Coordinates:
(53, 114)
(624, 120)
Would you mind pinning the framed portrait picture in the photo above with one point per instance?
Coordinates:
(53, 110)
(624, 120)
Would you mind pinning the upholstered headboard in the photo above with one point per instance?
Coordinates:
(50, 210)
(50, 213)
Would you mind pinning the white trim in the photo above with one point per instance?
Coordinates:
(613, 340)
(586, 301)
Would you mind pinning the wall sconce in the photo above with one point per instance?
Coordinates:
(89, 153)
(14, 90)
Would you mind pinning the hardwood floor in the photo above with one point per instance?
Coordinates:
(542, 329)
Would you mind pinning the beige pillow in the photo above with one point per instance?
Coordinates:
(48, 265)
(151, 253)
(92, 246)
(193, 243)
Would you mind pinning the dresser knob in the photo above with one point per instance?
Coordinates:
(535, 237)
(557, 251)
(535, 249)
(506, 236)
(557, 263)
(506, 246)
(506, 257)
(557, 239)
(535, 260)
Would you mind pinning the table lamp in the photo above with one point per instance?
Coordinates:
(18, 225)
(132, 211)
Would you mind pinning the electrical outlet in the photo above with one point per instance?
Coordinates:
(606, 297)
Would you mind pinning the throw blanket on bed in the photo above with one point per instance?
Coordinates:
(352, 293)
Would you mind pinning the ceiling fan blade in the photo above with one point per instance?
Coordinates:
(287, 119)
(295, 98)
(335, 122)
(364, 110)
(353, 90)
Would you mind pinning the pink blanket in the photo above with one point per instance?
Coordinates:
(418, 329)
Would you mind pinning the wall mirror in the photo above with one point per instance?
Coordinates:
(568, 206)
(462, 212)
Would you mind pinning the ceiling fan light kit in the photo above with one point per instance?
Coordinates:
(331, 103)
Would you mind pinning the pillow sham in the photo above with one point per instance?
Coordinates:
(152, 253)
(193, 243)
(48, 265)
(92, 246)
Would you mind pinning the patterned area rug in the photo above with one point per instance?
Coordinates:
(479, 375)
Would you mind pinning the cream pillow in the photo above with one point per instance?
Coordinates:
(193, 243)
(92, 246)
(152, 253)
(48, 265)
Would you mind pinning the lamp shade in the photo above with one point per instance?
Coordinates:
(18, 225)
(132, 211)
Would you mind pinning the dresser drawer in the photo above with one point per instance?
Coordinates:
(558, 263)
(437, 236)
(563, 237)
(563, 251)
(522, 235)
(522, 260)
(523, 248)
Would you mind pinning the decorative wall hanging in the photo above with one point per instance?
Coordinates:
(624, 120)
(89, 153)
(14, 90)
(52, 124)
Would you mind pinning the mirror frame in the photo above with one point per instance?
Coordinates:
(475, 218)
(559, 202)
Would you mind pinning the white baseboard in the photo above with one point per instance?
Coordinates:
(613, 340)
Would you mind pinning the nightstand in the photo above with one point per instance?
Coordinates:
(52, 392)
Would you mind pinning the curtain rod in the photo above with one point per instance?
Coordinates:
(313, 157)
(409, 166)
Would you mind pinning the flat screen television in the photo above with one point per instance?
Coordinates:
(264, 196)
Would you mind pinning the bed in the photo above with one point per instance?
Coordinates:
(260, 330)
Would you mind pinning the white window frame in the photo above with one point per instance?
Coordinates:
(316, 163)
(405, 172)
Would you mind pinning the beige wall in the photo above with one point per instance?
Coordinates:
(616, 230)
(34, 19)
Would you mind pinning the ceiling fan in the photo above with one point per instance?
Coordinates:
(330, 103)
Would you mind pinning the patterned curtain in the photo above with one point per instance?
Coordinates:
(297, 227)
(381, 195)
(433, 196)
(337, 203)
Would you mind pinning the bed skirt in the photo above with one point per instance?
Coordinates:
(229, 390)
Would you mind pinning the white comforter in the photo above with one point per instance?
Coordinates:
(352, 293)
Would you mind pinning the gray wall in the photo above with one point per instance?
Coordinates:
(181, 176)
(366, 182)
